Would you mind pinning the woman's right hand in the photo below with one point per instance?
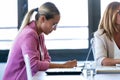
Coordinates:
(70, 64)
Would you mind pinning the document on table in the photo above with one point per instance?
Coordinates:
(108, 70)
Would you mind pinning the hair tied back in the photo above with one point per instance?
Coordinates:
(36, 9)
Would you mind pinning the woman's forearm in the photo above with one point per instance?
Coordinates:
(68, 64)
(110, 62)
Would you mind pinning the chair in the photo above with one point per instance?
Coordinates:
(28, 68)
(92, 45)
(92, 41)
(37, 76)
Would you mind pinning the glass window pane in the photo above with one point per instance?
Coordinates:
(8, 14)
(72, 30)
(68, 38)
(5, 45)
(8, 34)
(8, 22)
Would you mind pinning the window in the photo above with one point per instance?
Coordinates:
(72, 30)
(8, 23)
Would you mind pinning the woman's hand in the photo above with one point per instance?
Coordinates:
(70, 64)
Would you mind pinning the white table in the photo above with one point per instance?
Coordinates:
(43, 76)
(107, 77)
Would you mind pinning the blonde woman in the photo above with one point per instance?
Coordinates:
(30, 40)
(107, 37)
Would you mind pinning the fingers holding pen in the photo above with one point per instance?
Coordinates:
(70, 63)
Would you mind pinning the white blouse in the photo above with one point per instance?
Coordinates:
(116, 51)
(103, 47)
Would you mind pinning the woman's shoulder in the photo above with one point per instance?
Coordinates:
(99, 32)
(29, 31)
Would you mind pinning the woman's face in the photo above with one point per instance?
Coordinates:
(49, 25)
(118, 17)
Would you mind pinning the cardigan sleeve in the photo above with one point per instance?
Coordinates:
(30, 46)
(100, 48)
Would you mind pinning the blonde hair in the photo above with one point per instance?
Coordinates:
(108, 21)
(48, 9)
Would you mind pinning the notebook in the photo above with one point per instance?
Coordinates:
(64, 71)
(108, 70)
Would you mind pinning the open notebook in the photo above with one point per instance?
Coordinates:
(65, 71)
(108, 70)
